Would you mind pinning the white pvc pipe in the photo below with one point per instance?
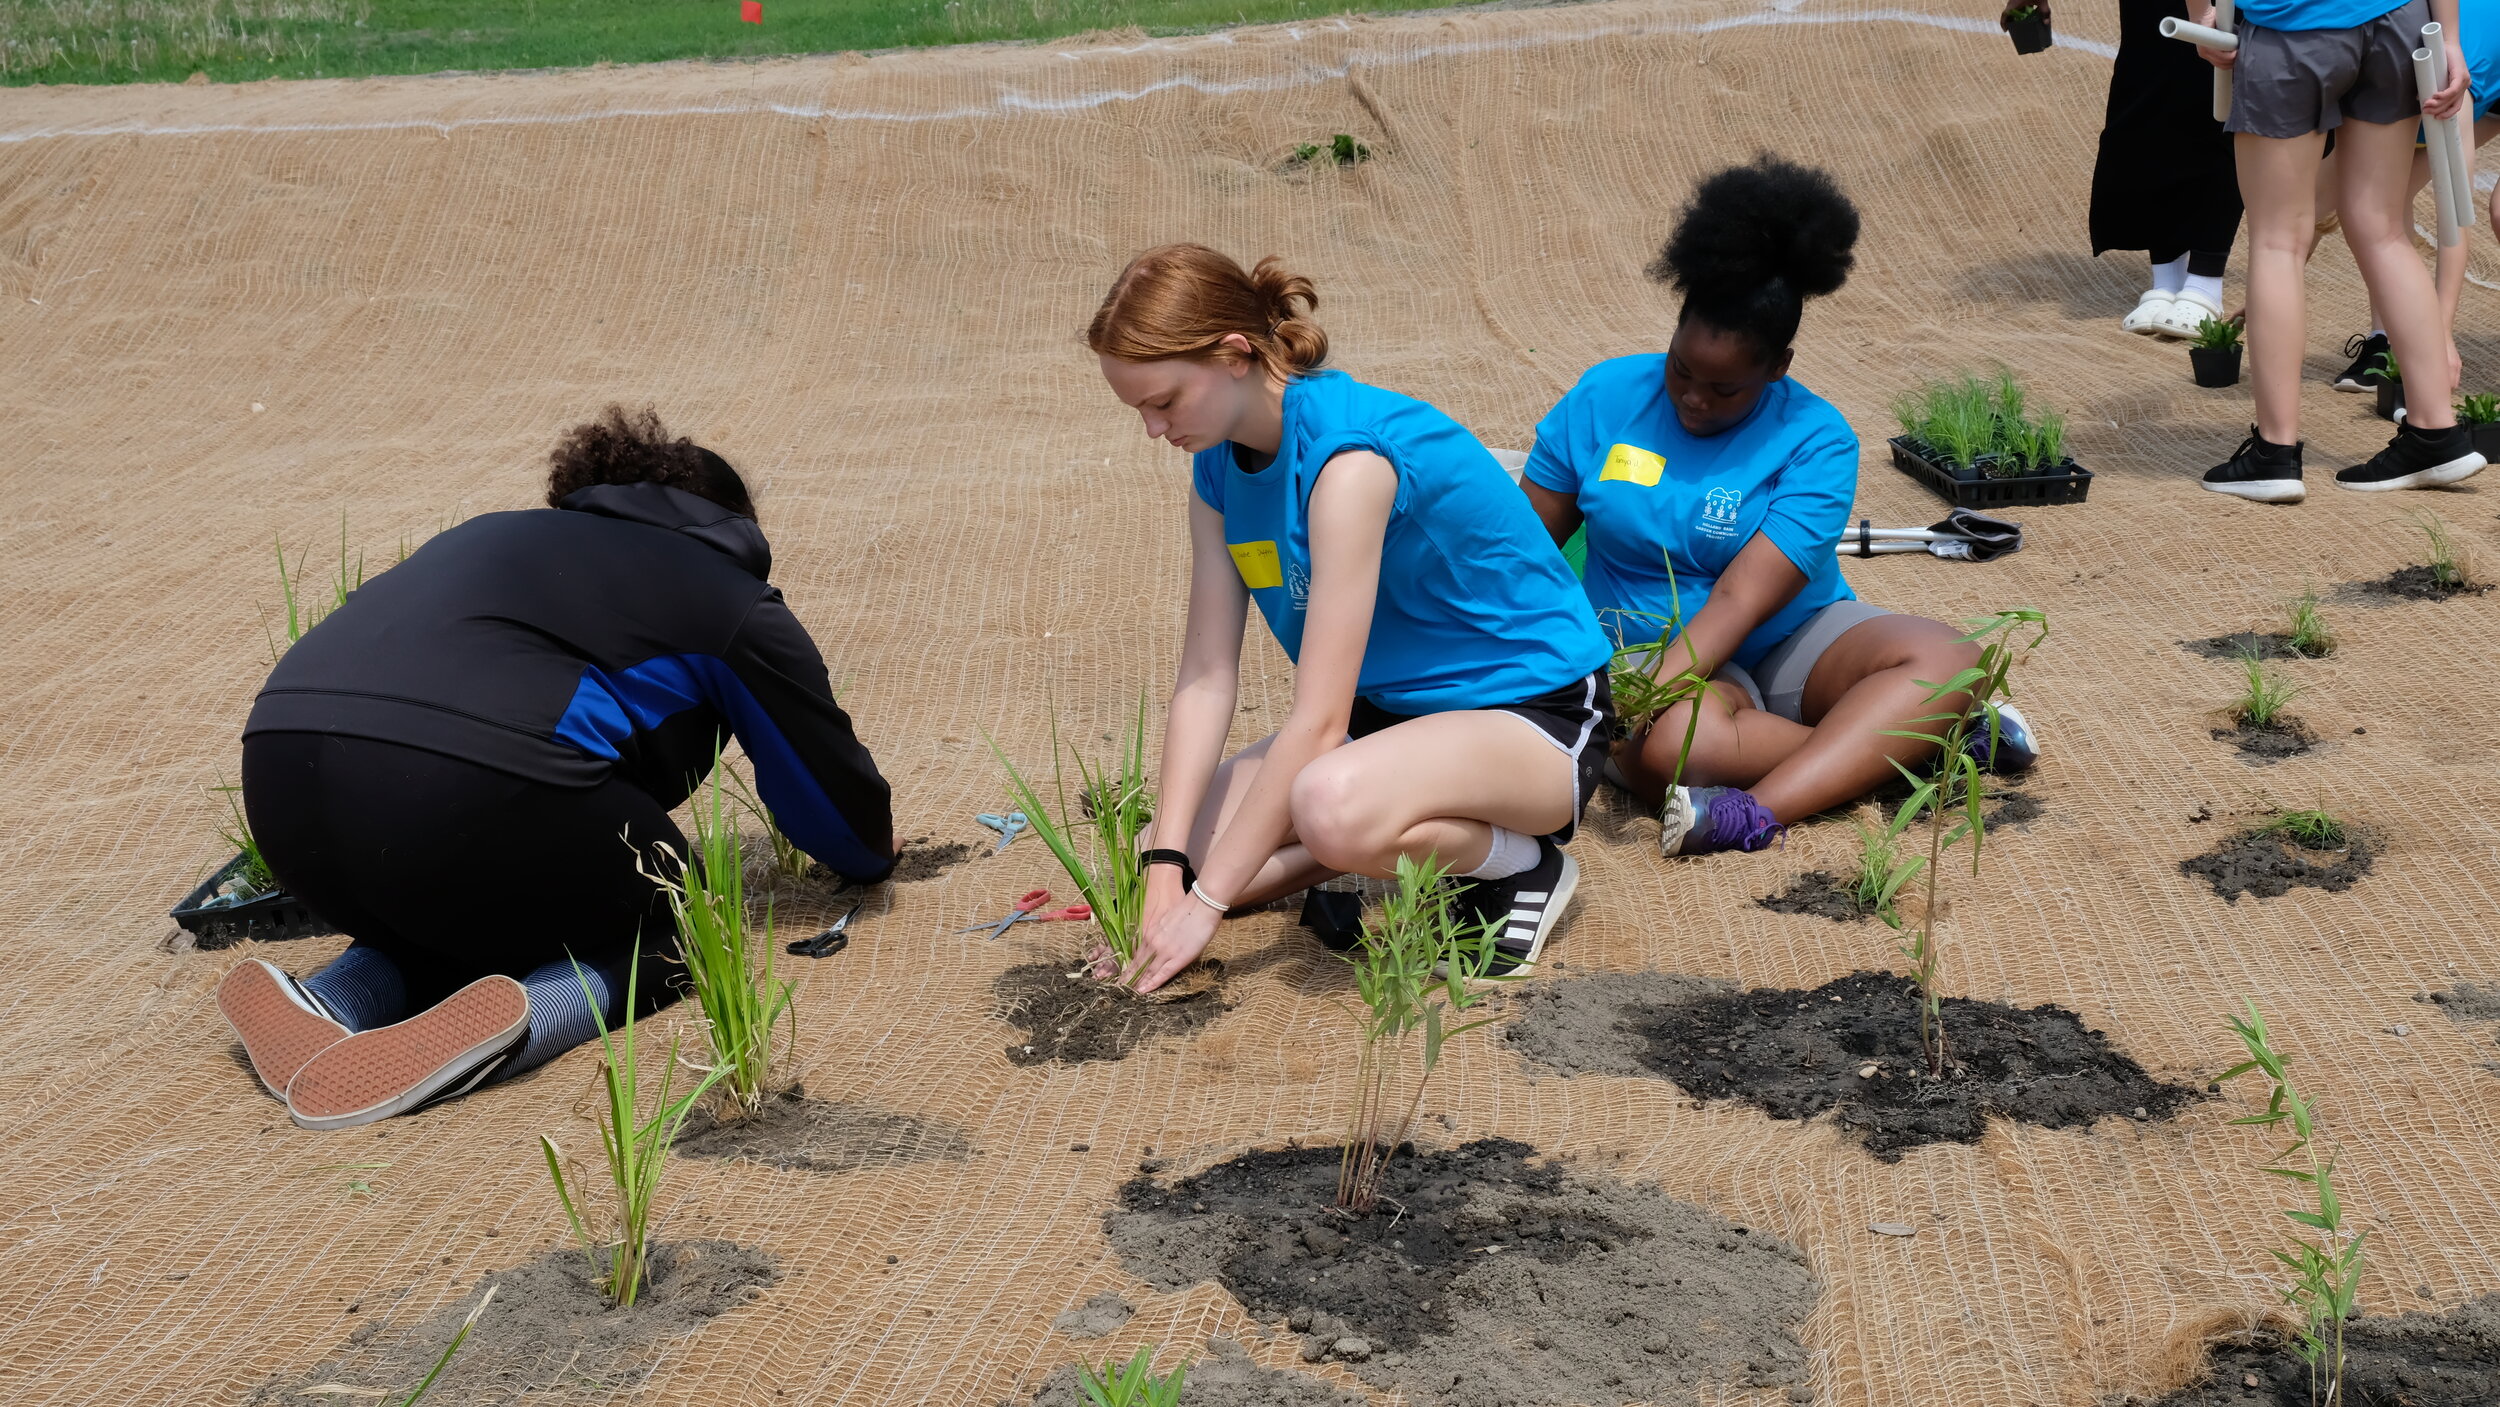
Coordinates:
(2225, 20)
(2438, 137)
(2204, 38)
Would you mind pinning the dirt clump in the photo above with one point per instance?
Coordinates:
(1487, 1279)
(922, 861)
(1071, 1018)
(2467, 1001)
(1850, 1048)
(1224, 1377)
(2284, 737)
(1820, 893)
(2240, 644)
(549, 1335)
(2414, 583)
(794, 1131)
(2268, 864)
(2450, 1358)
(1095, 1318)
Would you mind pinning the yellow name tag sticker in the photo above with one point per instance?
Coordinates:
(1633, 465)
(1258, 564)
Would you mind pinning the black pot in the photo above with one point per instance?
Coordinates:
(2215, 366)
(2391, 394)
(2030, 36)
(2486, 439)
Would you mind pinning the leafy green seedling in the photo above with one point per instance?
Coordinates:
(1134, 1383)
(1640, 685)
(2263, 694)
(2385, 365)
(237, 832)
(2021, 13)
(1983, 424)
(1958, 784)
(302, 612)
(2316, 830)
(741, 1005)
(2452, 563)
(2481, 408)
(1307, 152)
(1111, 873)
(451, 1348)
(789, 861)
(1419, 961)
(2218, 335)
(2326, 1266)
(1883, 871)
(2310, 635)
(634, 1146)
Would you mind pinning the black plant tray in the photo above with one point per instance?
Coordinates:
(268, 917)
(2068, 483)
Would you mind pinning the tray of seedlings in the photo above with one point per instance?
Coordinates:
(243, 899)
(1977, 443)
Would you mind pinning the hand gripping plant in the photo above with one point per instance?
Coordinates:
(1633, 676)
(1134, 1383)
(740, 1004)
(1113, 806)
(2327, 1266)
(1418, 961)
(635, 1148)
(1959, 784)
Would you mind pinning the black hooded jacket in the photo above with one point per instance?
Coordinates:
(617, 634)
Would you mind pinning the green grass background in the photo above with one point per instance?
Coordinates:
(123, 41)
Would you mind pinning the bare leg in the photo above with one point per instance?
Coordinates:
(2379, 226)
(2278, 185)
(1432, 786)
(1289, 869)
(1865, 686)
(1734, 744)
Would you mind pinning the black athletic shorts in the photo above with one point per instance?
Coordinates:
(1577, 718)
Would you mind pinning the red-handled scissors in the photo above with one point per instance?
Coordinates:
(1024, 912)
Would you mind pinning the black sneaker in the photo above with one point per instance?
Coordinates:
(2259, 470)
(1334, 918)
(1529, 904)
(2416, 459)
(2363, 375)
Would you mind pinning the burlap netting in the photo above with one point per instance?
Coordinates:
(862, 280)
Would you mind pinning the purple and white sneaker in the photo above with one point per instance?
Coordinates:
(1701, 820)
(2013, 748)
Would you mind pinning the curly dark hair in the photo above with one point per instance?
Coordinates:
(632, 447)
(1754, 243)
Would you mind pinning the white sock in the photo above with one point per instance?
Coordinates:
(2378, 332)
(2166, 277)
(2210, 285)
(1511, 853)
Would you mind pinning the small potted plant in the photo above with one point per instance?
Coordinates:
(2480, 415)
(2216, 354)
(2029, 26)
(2391, 386)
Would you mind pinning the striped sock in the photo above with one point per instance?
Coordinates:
(560, 1017)
(363, 988)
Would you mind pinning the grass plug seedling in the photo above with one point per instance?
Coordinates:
(304, 612)
(1983, 426)
(2451, 562)
(1134, 1383)
(634, 1147)
(451, 1348)
(2316, 830)
(2263, 694)
(789, 861)
(2218, 335)
(1341, 149)
(1419, 961)
(741, 1005)
(1958, 784)
(1112, 807)
(1642, 690)
(2310, 635)
(255, 877)
(2326, 1265)
(1883, 871)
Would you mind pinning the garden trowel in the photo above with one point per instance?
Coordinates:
(1965, 535)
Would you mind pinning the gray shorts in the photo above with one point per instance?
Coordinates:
(1777, 682)
(2292, 82)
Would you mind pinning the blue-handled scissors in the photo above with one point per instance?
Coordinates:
(1008, 826)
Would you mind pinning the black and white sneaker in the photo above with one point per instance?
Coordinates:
(2363, 375)
(1335, 918)
(2416, 459)
(1529, 904)
(2260, 471)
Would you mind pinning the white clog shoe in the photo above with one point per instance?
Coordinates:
(2188, 309)
(2152, 305)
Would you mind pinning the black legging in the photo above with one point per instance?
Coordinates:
(458, 871)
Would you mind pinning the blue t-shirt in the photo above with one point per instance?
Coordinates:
(1475, 607)
(2478, 33)
(2317, 14)
(1650, 490)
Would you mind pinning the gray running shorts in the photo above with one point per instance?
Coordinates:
(1777, 682)
(2292, 82)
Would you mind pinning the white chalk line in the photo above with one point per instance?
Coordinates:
(1012, 102)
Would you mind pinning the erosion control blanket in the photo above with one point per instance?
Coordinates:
(275, 309)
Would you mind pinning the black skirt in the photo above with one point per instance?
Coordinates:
(2165, 178)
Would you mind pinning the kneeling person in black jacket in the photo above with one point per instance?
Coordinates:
(469, 768)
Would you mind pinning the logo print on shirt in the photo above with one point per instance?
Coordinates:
(1718, 513)
(1298, 582)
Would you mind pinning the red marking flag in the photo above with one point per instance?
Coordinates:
(752, 11)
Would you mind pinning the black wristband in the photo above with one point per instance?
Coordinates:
(1189, 873)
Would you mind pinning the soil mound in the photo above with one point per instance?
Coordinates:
(2240, 644)
(793, 1131)
(921, 860)
(2414, 583)
(549, 1335)
(2416, 1359)
(1491, 1279)
(1820, 893)
(1070, 1018)
(2285, 737)
(2266, 864)
(1225, 1377)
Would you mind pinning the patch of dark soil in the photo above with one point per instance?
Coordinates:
(1095, 1318)
(1069, 1017)
(2414, 583)
(2285, 737)
(1799, 1054)
(2416, 1359)
(794, 1131)
(1816, 892)
(921, 860)
(1224, 1377)
(2467, 1002)
(1486, 1279)
(2267, 864)
(2006, 806)
(549, 1335)
(2240, 644)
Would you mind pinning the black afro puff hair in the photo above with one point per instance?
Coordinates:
(1755, 242)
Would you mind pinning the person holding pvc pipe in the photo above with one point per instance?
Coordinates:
(1708, 461)
(2298, 70)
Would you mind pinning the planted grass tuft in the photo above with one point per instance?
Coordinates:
(2263, 695)
(2310, 635)
(1983, 425)
(741, 1005)
(1134, 1383)
(237, 832)
(1113, 806)
(1419, 960)
(2451, 562)
(303, 612)
(789, 861)
(2316, 830)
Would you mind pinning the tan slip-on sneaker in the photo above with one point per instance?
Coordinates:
(282, 1025)
(437, 1053)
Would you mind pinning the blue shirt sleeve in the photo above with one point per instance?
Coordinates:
(1552, 464)
(1810, 506)
(1206, 474)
